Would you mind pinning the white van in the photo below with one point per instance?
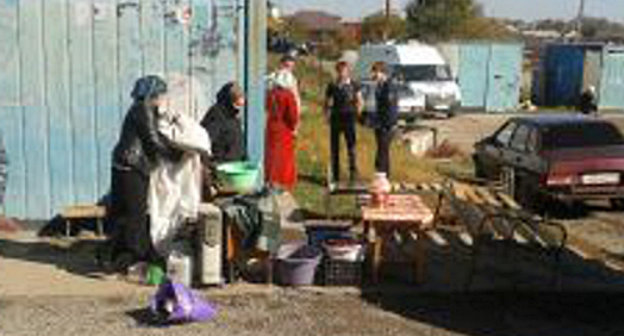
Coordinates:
(426, 83)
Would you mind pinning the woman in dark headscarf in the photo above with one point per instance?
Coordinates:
(139, 150)
(222, 122)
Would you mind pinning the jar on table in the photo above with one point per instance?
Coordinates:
(380, 189)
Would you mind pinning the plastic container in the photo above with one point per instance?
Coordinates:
(344, 250)
(318, 231)
(155, 275)
(180, 264)
(240, 176)
(296, 264)
(341, 273)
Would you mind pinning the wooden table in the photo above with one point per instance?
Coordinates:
(403, 213)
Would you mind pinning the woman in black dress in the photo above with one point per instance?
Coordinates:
(139, 150)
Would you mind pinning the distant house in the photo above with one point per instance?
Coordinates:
(352, 30)
(317, 23)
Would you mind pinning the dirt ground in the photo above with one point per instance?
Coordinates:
(51, 287)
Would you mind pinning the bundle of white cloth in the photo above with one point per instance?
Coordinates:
(174, 191)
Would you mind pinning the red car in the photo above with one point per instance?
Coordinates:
(567, 157)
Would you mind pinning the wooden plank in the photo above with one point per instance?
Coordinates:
(35, 113)
(465, 238)
(487, 197)
(436, 187)
(85, 172)
(152, 16)
(106, 92)
(57, 101)
(11, 113)
(437, 238)
(460, 192)
(508, 201)
(424, 187)
(84, 211)
(472, 196)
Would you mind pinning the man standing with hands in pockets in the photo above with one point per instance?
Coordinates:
(342, 108)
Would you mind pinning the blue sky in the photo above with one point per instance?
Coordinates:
(524, 9)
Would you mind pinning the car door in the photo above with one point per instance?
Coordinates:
(515, 155)
(492, 151)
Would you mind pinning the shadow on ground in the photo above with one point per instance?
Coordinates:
(515, 290)
(76, 257)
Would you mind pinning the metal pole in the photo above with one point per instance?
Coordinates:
(579, 18)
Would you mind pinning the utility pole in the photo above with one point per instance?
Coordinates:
(387, 11)
(580, 17)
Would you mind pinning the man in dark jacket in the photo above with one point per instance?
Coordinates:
(343, 104)
(223, 124)
(139, 150)
(386, 100)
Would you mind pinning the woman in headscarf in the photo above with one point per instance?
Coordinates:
(282, 123)
(139, 151)
(222, 122)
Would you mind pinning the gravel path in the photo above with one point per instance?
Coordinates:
(286, 313)
(304, 313)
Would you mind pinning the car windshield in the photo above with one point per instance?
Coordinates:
(574, 135)
(423, 73)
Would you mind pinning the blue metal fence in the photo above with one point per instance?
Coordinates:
(67, 69)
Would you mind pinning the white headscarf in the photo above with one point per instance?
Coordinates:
(282, 78)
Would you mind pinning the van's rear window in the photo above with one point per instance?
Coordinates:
(571, 135)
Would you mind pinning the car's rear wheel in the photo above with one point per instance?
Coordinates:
(617, 203)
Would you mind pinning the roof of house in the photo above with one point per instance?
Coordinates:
(317, 20)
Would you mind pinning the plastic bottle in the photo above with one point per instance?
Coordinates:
(180, 265)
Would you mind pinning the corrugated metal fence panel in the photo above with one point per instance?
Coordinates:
(82, 102)
(504, 77)
(612, 86)
(67, 70)
(592, 69)
(563, 74)
(473, 74)
(11, 112)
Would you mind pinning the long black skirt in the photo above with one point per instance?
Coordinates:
(131, 240)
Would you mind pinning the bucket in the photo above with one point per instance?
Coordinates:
(296, 264)
(344, 250)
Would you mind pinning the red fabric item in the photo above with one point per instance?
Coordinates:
(282, 121)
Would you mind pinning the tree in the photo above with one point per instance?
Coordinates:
(434, 20)
(485, 28)
(378, 27)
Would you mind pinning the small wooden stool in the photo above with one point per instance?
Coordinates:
(76, 212)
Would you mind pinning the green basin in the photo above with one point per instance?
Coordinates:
(240, 176)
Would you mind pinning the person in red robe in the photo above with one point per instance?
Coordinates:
(281, 129)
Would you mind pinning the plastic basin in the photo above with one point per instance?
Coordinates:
(296, 264)
(240, 176)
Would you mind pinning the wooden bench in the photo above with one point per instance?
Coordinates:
(85, 211)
